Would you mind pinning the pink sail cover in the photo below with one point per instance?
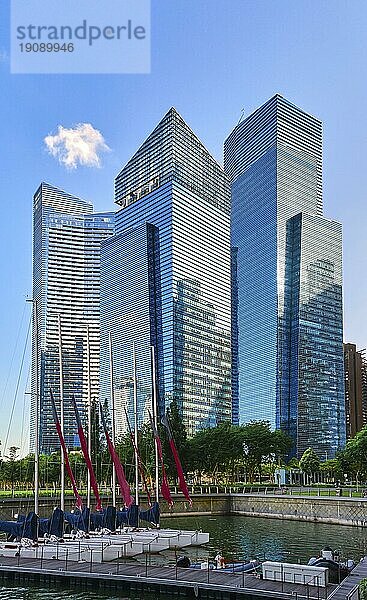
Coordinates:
(88, 462)
(78, 503)
(166, 492)
(120, 473)
(181, 477)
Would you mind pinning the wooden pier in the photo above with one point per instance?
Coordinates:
(161, 581)
(345, 589)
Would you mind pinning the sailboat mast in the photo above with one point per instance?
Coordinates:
(155, 419)
(62, 465)
(89, 417)
(136, 427)
(112, 393)
(37, 409)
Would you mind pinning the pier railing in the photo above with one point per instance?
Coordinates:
(66, 563)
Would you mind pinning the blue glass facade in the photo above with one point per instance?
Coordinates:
(173, 186)
(286, 375)
(66, 276)
(130, 277)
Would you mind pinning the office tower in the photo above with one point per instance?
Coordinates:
(287, 278)
(355, 389)
(66, 275)
(166, 280)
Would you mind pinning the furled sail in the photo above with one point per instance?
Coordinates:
(120, 474)
(181, 477)
(84, 447)
(69, 470)
(166, 492)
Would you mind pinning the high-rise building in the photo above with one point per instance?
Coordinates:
(287, 279)
(166, 280)
(66, 285)
(355, 389)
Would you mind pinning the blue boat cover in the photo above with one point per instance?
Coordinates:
(26, 527)
(151, 514)
(110, 518)
(128, 516)
(79, 520)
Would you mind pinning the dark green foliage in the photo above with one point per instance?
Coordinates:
(310, 462)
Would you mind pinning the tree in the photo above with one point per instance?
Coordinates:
(258, 440)
(12, 457)
(214, 451)
(310, 462)
(354, 456)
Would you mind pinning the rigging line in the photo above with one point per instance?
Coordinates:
(18, 383)
(13, 357)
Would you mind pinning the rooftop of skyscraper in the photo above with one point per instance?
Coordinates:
(172, 152)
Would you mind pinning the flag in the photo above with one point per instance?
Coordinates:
(166, 493)
(181, 477)
(79, 503)
(88, 462)
(124, 486)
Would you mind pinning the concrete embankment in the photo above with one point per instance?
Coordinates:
(340, 511)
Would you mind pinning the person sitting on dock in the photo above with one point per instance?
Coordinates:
(219, 559)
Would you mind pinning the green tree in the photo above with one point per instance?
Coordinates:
(310, 462)
(354, 456)
(258, 445)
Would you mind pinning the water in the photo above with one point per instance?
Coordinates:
(238, 538)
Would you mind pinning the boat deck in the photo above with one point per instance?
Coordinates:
(132, 575)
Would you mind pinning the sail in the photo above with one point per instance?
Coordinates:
(166, 492)
(139, 461)
(181, 477)
(84, 447)
(69, 470)
(120, 474)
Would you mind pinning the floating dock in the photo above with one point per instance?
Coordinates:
(132, 576)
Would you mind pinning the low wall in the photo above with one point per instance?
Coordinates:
(341, 511)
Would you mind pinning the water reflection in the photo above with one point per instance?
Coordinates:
(248, 537)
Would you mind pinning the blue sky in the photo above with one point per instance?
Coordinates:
(210, 59)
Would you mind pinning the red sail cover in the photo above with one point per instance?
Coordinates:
(181, 477)
(140, 463)
(79, 503)
(88, 462)
(120, 474)
(166, 493)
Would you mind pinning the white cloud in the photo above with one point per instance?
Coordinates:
(80, 145)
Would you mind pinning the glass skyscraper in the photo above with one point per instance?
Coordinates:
(286, 279)
(66, 284)
(166, 280)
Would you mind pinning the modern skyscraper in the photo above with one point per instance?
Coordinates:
(287, 278)
(355, 369)
(66, 285)
(166, 279)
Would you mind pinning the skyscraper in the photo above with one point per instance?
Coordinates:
(287, 278)
(166, 279)
(355, 369)
(66, 275)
